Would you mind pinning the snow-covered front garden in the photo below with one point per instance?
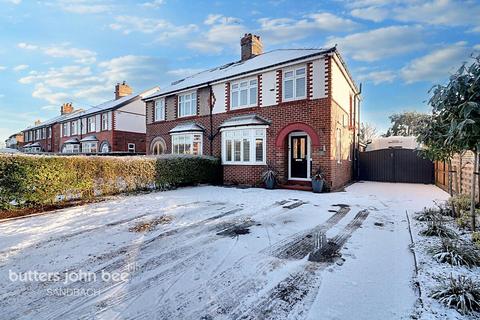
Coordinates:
(225, 253)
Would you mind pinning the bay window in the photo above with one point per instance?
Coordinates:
(187, 104)
(89, 147)
(187, 143)
(71, 148)
(159, 109)
(245, 145)
(244, 94)
(294, 84)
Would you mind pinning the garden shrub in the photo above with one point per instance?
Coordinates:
(428, 214)
(35, 181)
(476, 239)
(461, 202)
(456, 253)
(435, 228)
(460, 293)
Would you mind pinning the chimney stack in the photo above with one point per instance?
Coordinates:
(37, 122)
(66, 108)
(122, 90)
(251, 46)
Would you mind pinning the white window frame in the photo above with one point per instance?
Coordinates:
(73, 128)
(235, 93)
(193, 135)
(338, 145)
(49, 132)
(71, 148)
(44, 133)
(131, 147)
(294, 79)
(91, 124)
(66, 129)
(104, 118)
(159, 109)
(182, 100)
(241, 133)
(88, 146)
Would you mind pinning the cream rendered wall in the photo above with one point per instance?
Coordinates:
(341, 89)
(269, 96)
(133, 120)
(219, 93)
(319, 79)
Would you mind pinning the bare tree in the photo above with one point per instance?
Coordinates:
(367, 132)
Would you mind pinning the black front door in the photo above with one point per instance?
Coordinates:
(298, 157)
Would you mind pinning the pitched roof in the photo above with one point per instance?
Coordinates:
(260, 62)
(54, 120)
(187, 127)
(246, 120)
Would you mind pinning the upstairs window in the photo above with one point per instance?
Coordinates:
(160, 109)
(104, 121)
(244, 94)
(66, 129)
(91, 124)
(294, 84)
(187, 104)
(74, 128)
(49, 132)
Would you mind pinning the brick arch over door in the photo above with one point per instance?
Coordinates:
(297, 126)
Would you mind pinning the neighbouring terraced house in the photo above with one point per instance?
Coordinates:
(115, 126)
(294, 109)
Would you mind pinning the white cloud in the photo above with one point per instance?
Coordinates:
(376, 14)
(64, 50)
(20, 67)
(2, 68)
(377, 77)
(153, 4)
(379, 43)
(476, 47)
(14, 1)
(440, 12)
(83, 6)
(223, 32)
(436, 65)
(92, 84)
(161, 28)
(285, 29)
(26, 46)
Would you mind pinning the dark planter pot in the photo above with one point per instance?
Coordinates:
(317, 185)
(270, 183)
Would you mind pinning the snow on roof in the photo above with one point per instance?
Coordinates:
(72, 141)
(247, 120)
(187, 126)
(36, 144)
(89, 138)
(54, 120)
(265, 60)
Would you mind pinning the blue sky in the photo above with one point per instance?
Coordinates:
(59, 51)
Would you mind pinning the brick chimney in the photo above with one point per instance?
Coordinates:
(251, 46)
(37, 122)
(122, 90)
(66, 108)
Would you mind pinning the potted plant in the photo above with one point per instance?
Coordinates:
(269, 177)
(318, 181)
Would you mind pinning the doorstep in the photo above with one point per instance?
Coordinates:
(297, 185)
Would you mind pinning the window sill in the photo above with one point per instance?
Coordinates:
(244, 163)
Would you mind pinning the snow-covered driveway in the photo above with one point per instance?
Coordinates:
(217, 253)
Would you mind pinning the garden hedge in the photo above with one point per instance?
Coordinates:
(33, 181)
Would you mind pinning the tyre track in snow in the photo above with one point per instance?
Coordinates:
(157, 261)
(291, 297)
(228, 292)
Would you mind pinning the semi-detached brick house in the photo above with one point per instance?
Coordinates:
(294, 109)
(114, 126)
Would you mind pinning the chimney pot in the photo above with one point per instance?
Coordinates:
(66, 108)
(251, 46)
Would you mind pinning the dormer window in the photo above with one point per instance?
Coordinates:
(187, 104)
(294, 84)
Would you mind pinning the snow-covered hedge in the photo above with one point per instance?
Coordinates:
(32, 181)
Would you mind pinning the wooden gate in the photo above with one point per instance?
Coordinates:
(396, 165)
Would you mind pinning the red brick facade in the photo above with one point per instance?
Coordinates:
(321, 118)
